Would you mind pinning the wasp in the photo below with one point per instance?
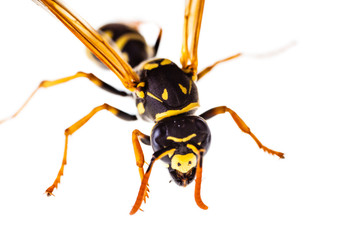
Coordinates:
(164, 94)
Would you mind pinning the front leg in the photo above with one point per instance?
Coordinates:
(139, 155)
(241, 124)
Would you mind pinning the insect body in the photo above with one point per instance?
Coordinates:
(165, 94)
(129, 42)
(164, 90)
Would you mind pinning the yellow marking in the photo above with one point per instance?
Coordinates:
(142, 84)
(125, 56)
(181, 139)
(107, 34)
(153, 96)
(141, 108)
(171, 154)
(194, 149)
(90, 55)
(183, 163)
(149, 66)
(199, 143)
(194, 77)
(170, 113)
(140, 94)
(183, 89)
(165, 62)
(121, 41)
(165, 94)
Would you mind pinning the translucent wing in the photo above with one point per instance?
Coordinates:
(191, 31)
(92, 40)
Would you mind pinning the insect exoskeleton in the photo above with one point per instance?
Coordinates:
(164, 90)
(183, 132)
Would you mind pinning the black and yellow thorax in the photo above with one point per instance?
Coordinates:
(164, 91)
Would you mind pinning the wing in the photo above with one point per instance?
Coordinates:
(93, 41)
(191, 31)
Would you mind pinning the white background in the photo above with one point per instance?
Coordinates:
(303, 102)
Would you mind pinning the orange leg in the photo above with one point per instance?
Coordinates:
(144, 183)
(209, 68)
(69, 131)
(261, 55)
(46, 84)
(139, 155)
(241, 124)
(197, 195)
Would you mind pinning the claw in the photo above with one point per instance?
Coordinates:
(49, 191)
(146, 193)
(270, 151)
(49, 194)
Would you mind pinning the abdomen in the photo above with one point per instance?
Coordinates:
(126, 40)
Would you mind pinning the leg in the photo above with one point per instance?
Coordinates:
(241, 124)
(139, 155)
(263, 55)
(157, 43)
(197, 195)
(144, 183)
(209, 68)
(90, 76)
(78, 125)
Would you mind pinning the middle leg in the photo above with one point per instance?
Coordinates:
(69, 131)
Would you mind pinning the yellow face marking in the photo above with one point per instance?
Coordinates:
(153, 96)
(170, 113)
(140, 94)
(121, 41)
(183, 89)
(141, 108)
(149, 66)
(142, 84)
(183, 163)
(165, 94)
(165, 62)
(181, 139)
